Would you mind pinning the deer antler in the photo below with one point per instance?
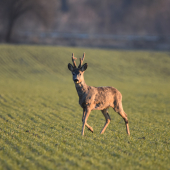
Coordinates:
(73, 60)
(81, 60)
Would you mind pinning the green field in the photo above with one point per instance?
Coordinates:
(40, 118)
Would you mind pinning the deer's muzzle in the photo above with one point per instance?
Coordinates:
(76, 80)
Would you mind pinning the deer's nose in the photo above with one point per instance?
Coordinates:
(76, 80)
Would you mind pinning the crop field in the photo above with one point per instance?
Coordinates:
(41, 120)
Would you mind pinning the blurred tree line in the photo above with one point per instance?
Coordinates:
(125, 17)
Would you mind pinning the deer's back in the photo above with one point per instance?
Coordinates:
(99, 98)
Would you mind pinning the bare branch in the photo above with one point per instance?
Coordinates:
(13, 9)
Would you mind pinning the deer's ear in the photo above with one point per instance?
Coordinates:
(70, 67)
(84, 67)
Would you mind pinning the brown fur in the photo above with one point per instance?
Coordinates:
(96, 98)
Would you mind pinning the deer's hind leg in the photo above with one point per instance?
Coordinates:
(107, 117)
(119, 109)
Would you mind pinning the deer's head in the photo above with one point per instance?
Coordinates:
(77, 72)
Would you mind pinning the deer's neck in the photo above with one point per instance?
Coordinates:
(82, 88)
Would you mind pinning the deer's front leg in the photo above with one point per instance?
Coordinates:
(88, 126)
(107, 117)
(86, 114)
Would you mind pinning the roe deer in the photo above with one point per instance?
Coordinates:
(96, 98)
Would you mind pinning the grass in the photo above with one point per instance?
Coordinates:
(40, 118)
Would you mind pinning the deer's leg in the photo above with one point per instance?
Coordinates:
(124, 116)
(119, 109)
(86, 115)
(107, 117)
(88, 126)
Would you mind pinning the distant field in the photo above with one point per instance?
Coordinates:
(40, 118)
